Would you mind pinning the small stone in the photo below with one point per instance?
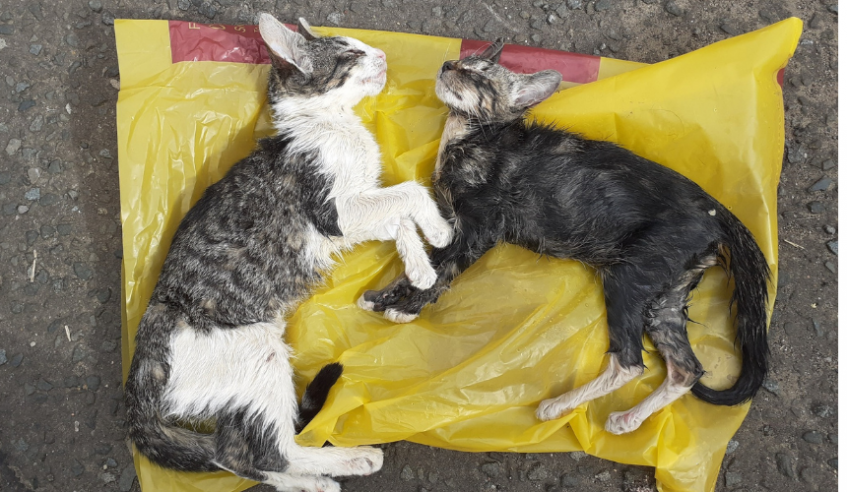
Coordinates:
(785, 464)
(829, 229)
(103, 450)
(80, 353)
(55, 167)
(815, 207)
(797, 154)
(95, 5)
(551, 19)
(108, 346)
(64, 229)
(20, 445)
(492, 469)
(111, 463)
(108, 18)
(603, 476)
(21, 86)
(36, 124)
(536, 38)
(83, 271)
(730, 28)
(833, 463)
(833, 438)
(7, 29)
(833, 246)
(44, 385)
(831, 267)
(819, 330)
(732, 446)
(183, 4)
(672, 8)
(72, 40)
(5, 177)
(827, 164)
(93, 382)
(407, 473)
(29, 389)
(822, 184)
(733, 478)
(602, 5)
(772, 386)
(537, 473)
(47, 231)
(833, 8)
(13, 146)
(33, 174)
(3, 358)
(35, 49)
(77, 469)
(813, 437)
(578, 455)
(22, 209)
(49, 199)
(537, 24)
(107, 477)
(33, 194)
(207, 10)
(17, 359)
(574, 4)
(822, 410)
(31, 237)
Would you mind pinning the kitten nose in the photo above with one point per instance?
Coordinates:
(380, 54)
(448, 65)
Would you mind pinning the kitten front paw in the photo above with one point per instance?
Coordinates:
(623, 422)
(422, 276)
(365, 304)
(440, 234)
(366, 460)
(398, 316)
(551, 409)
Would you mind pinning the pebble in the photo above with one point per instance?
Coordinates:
(77, 469)
(833, 438)
(829, 229)
(93, 382)
(24, 105)
(33, 194)
(207, 10)
(785, 464)
(733, 478)
(813, 437)
(36, 124)
(49, 199)
(578, 455)
(44, 385)
(82, 270)
(80, 352)
(22, 209)
(833, 246)
(111, 463)
(833, 463)
(831, 267)
(815, 207)
(31, 237)
(5, 177)
(108, 18)
(21, 86)
(108, 346)
(603, 476)
(407, 473)
(536, 38)
(47, 231)
(574, 4)
(55, 167)
(29, 389)
(95, 5)
(602, 5)
(822, 410)
(823, 184)
(107, 477)
(64, 229)
(17, 359)
(183, 4)
(672, 8)
(827, 164)
(7, 29)
(13, 146)
(3, 358)
(492, 469)
(772, 386)
(33, 174)
(20, 445)
(833, 8)
(732, 446)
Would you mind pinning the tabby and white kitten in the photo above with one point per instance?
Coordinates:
(210, 344)
(649, 231)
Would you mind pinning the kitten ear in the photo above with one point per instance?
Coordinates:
(284, 45)
(305, 29)
(537, 87)
(493, 51)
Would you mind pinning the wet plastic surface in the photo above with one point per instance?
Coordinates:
(515, 328)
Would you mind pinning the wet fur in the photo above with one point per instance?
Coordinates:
(210, 344)
(649, 231)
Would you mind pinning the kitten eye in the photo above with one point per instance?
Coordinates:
(354, 53)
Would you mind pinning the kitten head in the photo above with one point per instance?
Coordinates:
(338, 70)
(478, 87)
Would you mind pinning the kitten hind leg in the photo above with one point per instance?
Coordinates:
(615, 376)
(666, 322)
(286, 482)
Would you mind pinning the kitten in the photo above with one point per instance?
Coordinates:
(649, 232)
(210, 343)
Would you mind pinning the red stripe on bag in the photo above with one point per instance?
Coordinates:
(574, 67)
(191, 41)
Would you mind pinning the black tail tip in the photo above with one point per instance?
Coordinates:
(317, 392)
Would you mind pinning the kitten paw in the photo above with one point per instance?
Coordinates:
(298, 483)
(622, 422)
(439, 234)
(365, 304)
(398, 316)
(551, 409)
(421, 276)
(365, 461)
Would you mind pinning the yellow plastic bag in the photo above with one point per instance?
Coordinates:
(515, 329)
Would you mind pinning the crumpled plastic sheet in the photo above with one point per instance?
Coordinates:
(515, 328)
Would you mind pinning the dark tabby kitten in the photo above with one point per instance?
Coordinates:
(649, 232)
(210, 343)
